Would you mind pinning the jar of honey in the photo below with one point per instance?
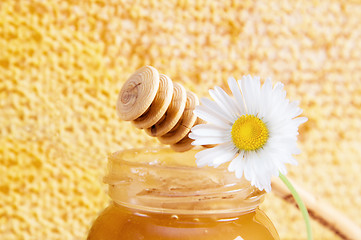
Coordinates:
(159, 194)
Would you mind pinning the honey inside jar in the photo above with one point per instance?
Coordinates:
(163, 195)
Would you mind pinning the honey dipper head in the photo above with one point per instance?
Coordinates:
(137, 93)
(151, 101)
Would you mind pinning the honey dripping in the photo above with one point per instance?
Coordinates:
(162, 108)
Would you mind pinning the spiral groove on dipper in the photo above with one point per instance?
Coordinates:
(162, 108)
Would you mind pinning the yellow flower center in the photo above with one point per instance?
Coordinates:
(249, 133)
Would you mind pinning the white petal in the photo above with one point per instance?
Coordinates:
(266, 96)
(278, 88)
(204, 161)
(267, 186)
(248, 167)
(275, 160)
(209, 156)
(280, 153)
(226, 157)
(210, 117)
(208, 140)
(224, 102)
(280, 166)
(278, 101)
(213, 107)
(239, 166)
(211, 130)
(288, 143)
(232, 165)
(293, 110)
(258, 170)
(298, 121)
(250, 89)
(229, 102)
(233, 85)
(256, 94)
(244, 86)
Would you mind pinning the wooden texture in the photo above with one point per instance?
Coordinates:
(185, 144)
(162, 108)
(138, 93)
(184, 125)
(173, 113)
(159, 106)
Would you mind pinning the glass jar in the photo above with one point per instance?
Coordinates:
(159, 194)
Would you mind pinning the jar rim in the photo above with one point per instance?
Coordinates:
(121, 157)
(160, 179)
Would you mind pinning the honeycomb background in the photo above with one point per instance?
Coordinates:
(62, 64)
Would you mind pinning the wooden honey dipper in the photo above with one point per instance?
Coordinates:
(162, 108)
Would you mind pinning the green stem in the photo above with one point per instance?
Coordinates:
(300, 204)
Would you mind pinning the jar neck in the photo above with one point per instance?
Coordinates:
(162, 181)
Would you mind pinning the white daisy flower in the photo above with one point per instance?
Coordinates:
(256, 130)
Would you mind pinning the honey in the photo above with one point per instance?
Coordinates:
(162, 195)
